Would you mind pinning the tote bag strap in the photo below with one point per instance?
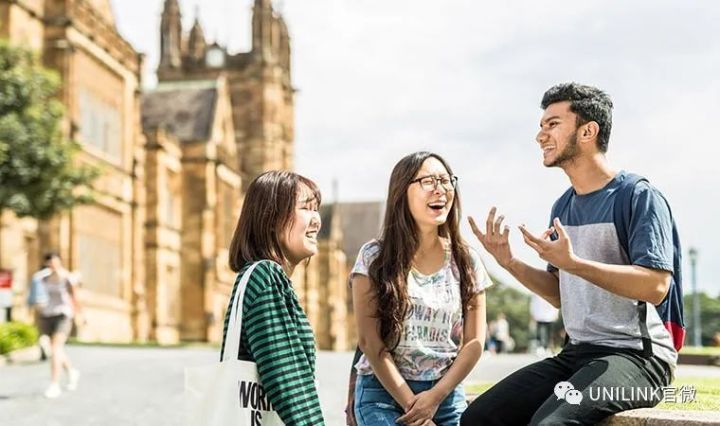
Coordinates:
(232, 338)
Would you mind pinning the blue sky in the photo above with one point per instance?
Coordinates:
(380, 79)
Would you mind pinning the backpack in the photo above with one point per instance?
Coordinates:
(671, 308)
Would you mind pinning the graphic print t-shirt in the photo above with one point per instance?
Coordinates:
(432, 330)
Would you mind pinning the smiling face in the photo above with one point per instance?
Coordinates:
(299, 239)
(558, 135)
(430, 208)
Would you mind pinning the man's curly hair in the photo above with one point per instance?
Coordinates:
(589, 103)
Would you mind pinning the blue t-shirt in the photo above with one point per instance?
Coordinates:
(590, 313)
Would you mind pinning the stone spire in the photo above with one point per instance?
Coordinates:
(170, 36)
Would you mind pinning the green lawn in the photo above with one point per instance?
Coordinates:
(707, 396)
(701, 350)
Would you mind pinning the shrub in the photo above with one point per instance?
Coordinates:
(16, 335)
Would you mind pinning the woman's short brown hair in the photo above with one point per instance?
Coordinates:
(267, 210)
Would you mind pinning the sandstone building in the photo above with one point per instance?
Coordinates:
(151, 252)
(100, 73)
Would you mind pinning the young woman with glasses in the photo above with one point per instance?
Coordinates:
(419, 301)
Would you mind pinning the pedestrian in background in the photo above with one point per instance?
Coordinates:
(544, 314)
(56, 320)
(37, 298)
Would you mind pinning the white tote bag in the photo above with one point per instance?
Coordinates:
(229, 392)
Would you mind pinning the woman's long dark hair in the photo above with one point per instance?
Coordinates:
(267, 210)
(398, 243)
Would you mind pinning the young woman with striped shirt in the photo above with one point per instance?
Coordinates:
(277, 229)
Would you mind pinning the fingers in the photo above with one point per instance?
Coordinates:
(506, 233)
(417, 422)
(414, 416)
(529, 236)
(531, 244)
(498, 224)
(560, 228)
(548, 233)
(406, 418)
(490, 221)
(494, 226)
(530, 240)
(410, 412)
(475, 229)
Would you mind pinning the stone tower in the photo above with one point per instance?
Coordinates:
(170, 35)
(260, 83)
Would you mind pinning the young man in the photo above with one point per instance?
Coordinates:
(606, 285)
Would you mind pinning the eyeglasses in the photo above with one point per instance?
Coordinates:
(430, 183)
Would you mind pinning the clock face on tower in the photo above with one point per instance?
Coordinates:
(215, 57)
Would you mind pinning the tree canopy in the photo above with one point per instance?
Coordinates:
(38, 176)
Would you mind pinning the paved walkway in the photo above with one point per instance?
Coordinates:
(144, 386)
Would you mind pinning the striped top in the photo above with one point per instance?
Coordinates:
(276, 335)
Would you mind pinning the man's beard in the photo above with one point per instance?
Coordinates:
(569, 153)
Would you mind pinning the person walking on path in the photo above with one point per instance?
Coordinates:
(56, 321)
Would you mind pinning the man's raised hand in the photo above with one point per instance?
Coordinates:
(495, 238)
(559, 253)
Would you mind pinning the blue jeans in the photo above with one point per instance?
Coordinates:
(375, 406)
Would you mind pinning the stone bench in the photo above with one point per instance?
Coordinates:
(656, 417)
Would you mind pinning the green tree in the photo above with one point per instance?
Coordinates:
(709, 318)
(38, 177)
(516, 306)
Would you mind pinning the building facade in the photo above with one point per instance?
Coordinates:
(151, 252)
(100, 74)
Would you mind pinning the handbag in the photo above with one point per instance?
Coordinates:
(229, 392)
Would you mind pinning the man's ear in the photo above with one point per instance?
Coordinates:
(589, 131)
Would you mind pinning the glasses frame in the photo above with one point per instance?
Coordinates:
(436, 182)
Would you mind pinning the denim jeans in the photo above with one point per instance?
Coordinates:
(375, 406)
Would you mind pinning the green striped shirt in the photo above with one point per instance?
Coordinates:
(276, 335)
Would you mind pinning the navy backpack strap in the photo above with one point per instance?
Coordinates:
(560, 206)
(622, 215)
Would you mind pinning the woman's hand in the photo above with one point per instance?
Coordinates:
(421, 409)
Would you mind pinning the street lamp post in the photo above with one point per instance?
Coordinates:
(697, 327)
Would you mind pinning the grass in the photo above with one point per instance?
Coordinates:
(707, 397)
(701, 350)
(707, 394)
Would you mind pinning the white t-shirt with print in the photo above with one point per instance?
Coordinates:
(58, 291)
(432, 330)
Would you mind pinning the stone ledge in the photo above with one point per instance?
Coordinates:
(657, 417)
(698, 359)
